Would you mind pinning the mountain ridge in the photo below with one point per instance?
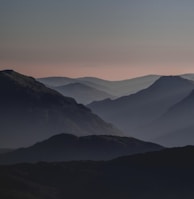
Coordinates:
(67, 147)
(31, 112)
(116, 88)
(132, 113)
(164, 174)
(82, 93)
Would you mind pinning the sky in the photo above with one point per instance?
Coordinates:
(110, 39)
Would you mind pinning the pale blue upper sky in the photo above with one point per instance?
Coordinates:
(105, 38)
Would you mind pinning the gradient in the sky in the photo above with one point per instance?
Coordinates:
(111, 39)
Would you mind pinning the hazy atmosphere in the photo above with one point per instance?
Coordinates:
(96, 99)
(107, 39)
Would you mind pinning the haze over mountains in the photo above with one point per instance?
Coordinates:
(162, 113)
(98, 89)
(66, 147)
(176, 126)
(83, 93)
(137, 113)
(113, 89)
(31, 112)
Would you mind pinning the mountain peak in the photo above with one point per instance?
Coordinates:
(9, 71)
(170, 78)
(171, 81)
(7, 75)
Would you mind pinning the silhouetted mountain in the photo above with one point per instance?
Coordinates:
(175, 127)
(31, 112)
(131, 113)
(66, 147)
(114, 88)
(165, 174)
(82, 93)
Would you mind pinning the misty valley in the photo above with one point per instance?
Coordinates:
(96, 99)
(92, 138)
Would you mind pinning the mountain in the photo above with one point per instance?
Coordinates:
(189, 76)
(165, 174)
(66, 147)
(31, 112)
(82, 93)
(114, 88)
(132, 113)
(175, 127)
(56, 81)
(124, 87)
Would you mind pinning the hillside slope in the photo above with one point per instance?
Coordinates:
(31, 112)
(66, 147)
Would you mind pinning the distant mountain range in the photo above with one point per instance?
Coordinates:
(165, 174)
(66, 147)
(99, 89)
(138, 114)
(113, 88)
(82, 93)
(160, 113)
(31, 112)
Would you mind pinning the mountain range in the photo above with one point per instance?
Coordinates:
(31, 112)
(138, 114)
(83, 93)
(102, 163)
(66, 147)
(114, 88)
(165, 174)
(98, 89)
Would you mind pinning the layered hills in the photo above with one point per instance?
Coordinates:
(176, 126)
(66, 147)
(164, 174)
(83, 94)
(31, 112)
(114, 88)
(137, 113)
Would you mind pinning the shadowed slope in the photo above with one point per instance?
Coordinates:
(31, 112)
(132, 112)
(175, 127)
(165, 174)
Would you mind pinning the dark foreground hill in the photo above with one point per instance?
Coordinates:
(66, 147)
(167, 174)
(30, 112)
